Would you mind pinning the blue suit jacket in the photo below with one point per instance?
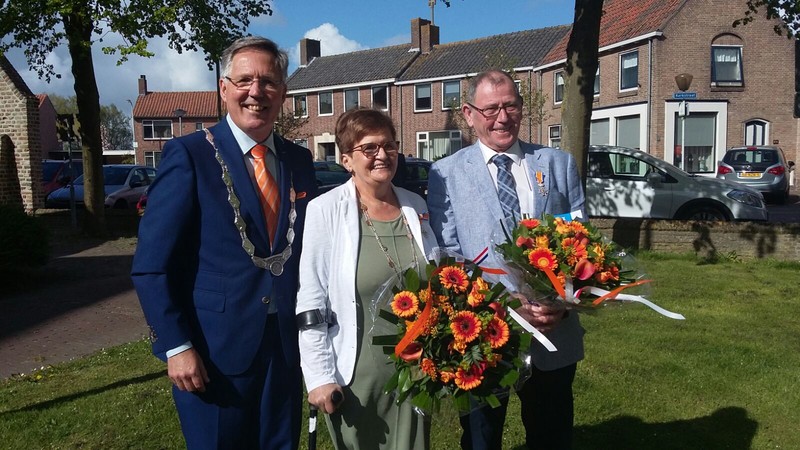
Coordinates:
(466, 216)
(194, 281)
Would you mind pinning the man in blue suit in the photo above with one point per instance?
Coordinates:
(472, 195)
(216, 273)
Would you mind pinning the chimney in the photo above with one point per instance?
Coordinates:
(429, 37)
(309, 49)
(142, 85)
(416, 31)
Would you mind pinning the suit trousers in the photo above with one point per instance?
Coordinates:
(258, 409)
(546, 405)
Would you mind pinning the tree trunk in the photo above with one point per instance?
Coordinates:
(580, 69)
(78, 28)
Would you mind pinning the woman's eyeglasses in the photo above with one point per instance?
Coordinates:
(370, 149)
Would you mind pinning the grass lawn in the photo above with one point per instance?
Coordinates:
(726, 378)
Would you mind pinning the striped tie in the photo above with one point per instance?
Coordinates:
(506, 188)
(268, 189)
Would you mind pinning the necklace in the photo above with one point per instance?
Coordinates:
(274, 263)
(385, 249)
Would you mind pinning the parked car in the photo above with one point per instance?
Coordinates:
(141, 205)
(124, 185)
(623, 182)
(412, 174)
(58, 173)
(329, 175)
(763, 168)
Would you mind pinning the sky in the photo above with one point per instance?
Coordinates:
(341, 26)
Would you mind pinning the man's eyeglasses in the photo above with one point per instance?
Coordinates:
(371, 149)
(493, 111)
(264, 84)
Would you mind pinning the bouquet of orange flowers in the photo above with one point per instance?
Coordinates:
(453, 337)
(571, 262)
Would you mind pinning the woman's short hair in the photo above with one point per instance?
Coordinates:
(356, 123)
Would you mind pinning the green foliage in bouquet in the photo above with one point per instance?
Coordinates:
(454, 338)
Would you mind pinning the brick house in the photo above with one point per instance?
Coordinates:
(159, 116)
(20, 147)
(743, 80)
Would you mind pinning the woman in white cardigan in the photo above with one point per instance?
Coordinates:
(357, 236)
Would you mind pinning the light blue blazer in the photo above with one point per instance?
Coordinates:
(466, 217)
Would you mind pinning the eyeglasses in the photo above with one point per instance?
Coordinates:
(264, 84)
(493, 111)
(370, 149)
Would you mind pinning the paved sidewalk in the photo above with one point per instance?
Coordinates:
(87, 303)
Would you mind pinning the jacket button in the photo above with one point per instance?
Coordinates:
(265, 300)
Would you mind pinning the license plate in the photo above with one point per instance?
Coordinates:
(750, 175)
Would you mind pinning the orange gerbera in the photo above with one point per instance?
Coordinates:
(542, 258)
(446, 376)
(476, 297)
(469, 379)
(428, 367)
(405, 304)
(454, 278)
(466, 326)
(497, 332)
(542, 241)
(529, 223)
(578, 228)
(574, 249)
(562, 226)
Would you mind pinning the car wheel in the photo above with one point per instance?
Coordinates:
(705, 212)
(121, 204)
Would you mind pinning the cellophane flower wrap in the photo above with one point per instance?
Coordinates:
(567, 262)
(453, 338)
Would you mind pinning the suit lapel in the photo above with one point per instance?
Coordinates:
(285, 179)
(538, 168)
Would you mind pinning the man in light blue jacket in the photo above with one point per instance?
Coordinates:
(472, 195)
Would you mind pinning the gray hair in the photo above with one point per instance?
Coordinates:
(258, 43)
(494, 77)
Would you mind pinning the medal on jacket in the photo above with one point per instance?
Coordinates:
(540, 182)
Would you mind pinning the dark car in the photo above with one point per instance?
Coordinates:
(763, 168)
(412, 174)
(58, 173)
(329, 175)
(124, 185)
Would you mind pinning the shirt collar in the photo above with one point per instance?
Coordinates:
(514, 152)
(246, 142)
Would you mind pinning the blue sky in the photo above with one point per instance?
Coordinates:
(342, 26)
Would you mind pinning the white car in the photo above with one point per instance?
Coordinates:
(623, 182)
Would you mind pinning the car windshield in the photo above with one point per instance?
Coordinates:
(112, 176)
(751, 156)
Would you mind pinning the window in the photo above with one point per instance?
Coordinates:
(629, 71)
(698, 156)
(380, 97)
(628, 131)
(152, 159)
(157, 129)
(726, 66)
(198, 126)
(756, 132)
(422, 97)
(350, 99)
(555, 136)
(325, 103)
(301, 142)
(558, 93)
(598, 132)
(300, 106)
(438, 144)
(451, 94)
(597, 81)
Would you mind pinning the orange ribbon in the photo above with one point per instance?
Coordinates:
(419, 325)
(563, 294)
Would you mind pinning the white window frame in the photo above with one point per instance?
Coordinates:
(344, 98)
(756, 123)
(727, 83)
(372, 96)
(303, 99)
(416, 97)
(720, 140)
(446, 107)
(319, 103)
(152, 159)
(151, 125)
(624, 111)
(556, 76)
(597, 81)
(622, 57)
(423, 136)
(553, 135)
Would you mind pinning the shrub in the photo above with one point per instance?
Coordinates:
(23, 240)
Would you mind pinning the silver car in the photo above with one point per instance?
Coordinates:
(763, 168)
(622, 182)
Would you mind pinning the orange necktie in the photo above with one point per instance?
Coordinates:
(268, 189)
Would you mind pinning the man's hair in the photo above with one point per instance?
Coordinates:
(493, 76)
(356, 123)
(259, 43)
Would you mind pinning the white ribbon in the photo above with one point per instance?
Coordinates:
(530, 329)
(636, 298)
